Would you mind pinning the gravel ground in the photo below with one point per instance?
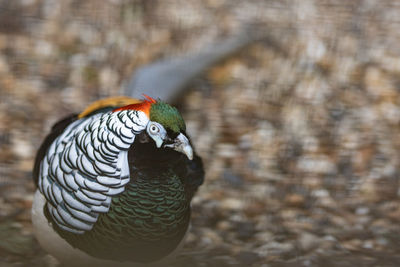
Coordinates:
(300, 139)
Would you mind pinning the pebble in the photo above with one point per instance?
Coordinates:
(308, 241)
(232, 204)
(232, 178)
(22, 147)
(369, 244)
(362, 210)
(321, 165)
(295, 200)
(273, 248)
(226, 150)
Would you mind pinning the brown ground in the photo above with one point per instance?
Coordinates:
(300, 140)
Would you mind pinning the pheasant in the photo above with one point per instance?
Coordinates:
(115, 182)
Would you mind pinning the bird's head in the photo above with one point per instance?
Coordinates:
(166, 127)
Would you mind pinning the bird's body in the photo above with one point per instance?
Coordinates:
(115, 183)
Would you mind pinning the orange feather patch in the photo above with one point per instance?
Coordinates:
(118, 101)
(144, 105)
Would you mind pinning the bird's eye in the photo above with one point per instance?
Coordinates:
(154, 129)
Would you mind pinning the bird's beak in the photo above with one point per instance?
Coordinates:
(158, 142)
(182, 144)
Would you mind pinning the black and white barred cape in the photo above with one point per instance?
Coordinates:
(87, 165)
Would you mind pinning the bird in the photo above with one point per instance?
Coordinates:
(115, 184)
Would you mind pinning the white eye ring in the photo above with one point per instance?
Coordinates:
(154, 129)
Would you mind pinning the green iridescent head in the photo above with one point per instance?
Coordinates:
(167, 116)
(167, 128)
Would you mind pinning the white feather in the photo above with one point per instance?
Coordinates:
(73, 202)
(77, 224)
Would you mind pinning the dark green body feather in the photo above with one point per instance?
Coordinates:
(145, 223)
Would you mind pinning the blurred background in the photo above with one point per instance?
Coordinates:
(299, 130)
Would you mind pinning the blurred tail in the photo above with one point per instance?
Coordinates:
(166, 79)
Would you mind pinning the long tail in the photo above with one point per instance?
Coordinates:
(168, 78)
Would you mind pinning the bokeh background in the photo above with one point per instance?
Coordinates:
(299, 134)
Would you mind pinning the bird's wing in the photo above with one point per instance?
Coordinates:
(86, 165)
